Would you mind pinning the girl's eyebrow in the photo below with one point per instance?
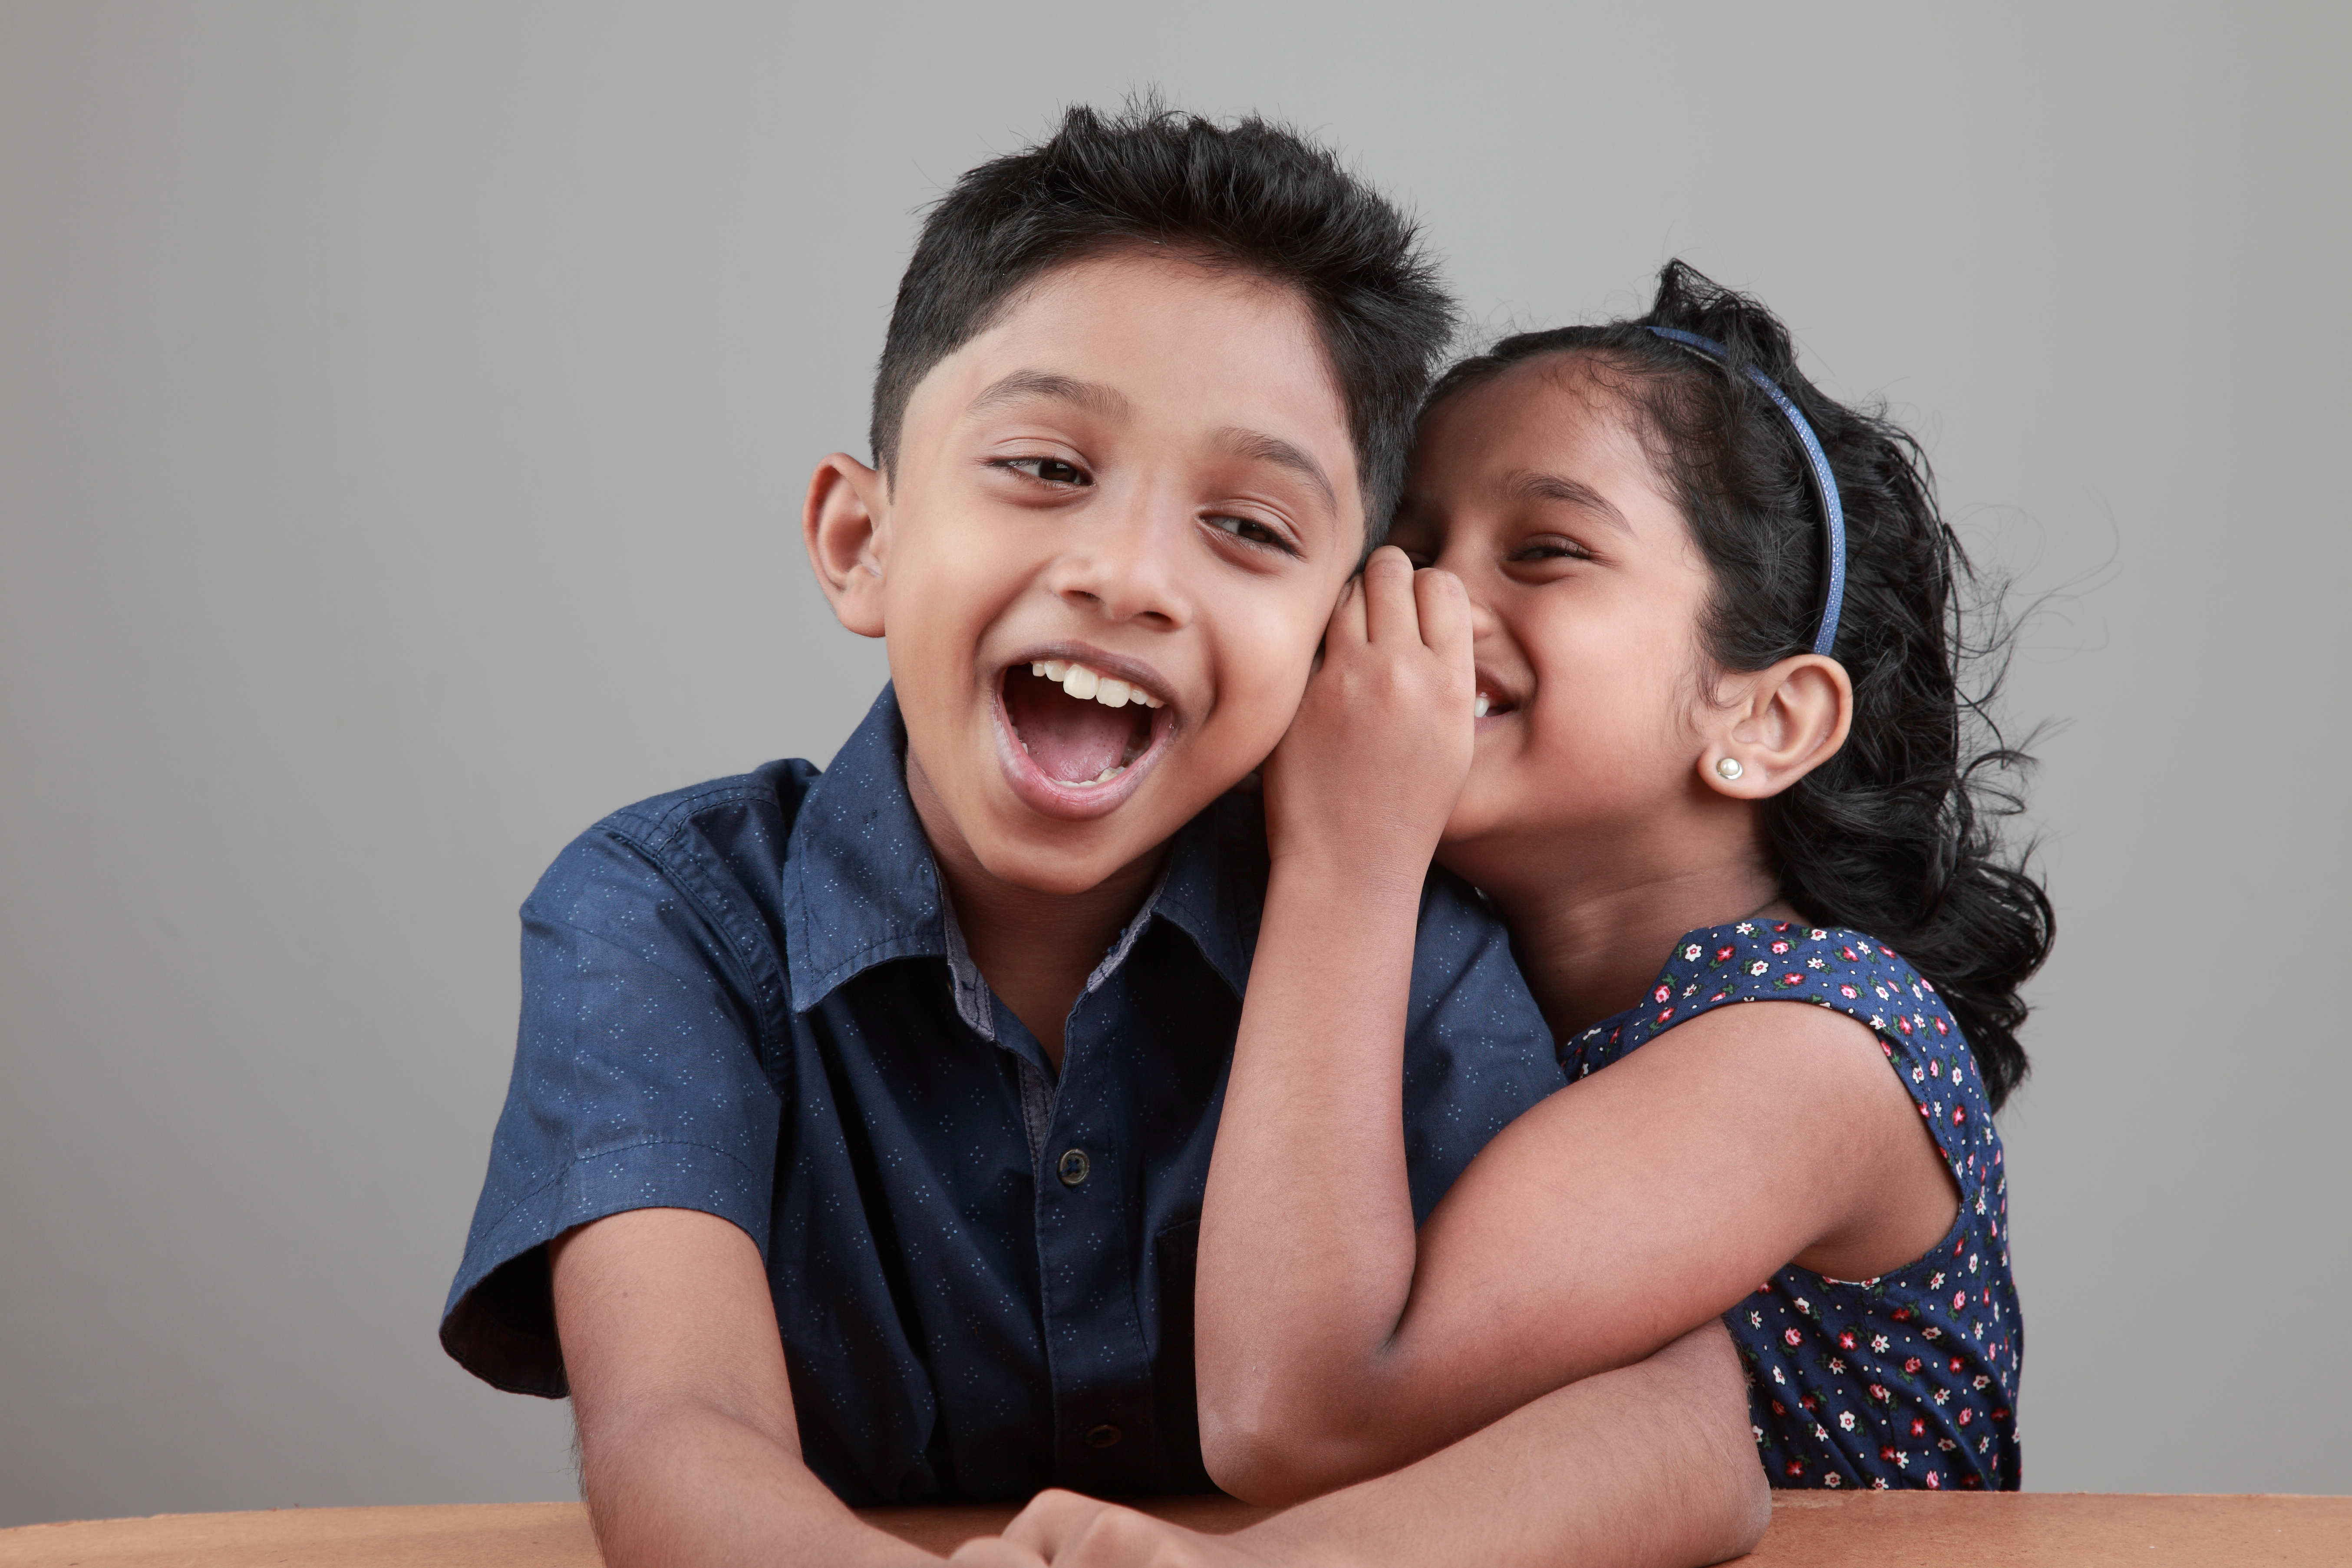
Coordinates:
(1524, 485)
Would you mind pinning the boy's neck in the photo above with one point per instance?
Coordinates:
(1034, 949)
(1591, 929)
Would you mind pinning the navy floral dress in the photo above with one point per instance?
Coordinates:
(1910, 1379)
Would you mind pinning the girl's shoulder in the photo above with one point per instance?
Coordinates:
(1775, 961)
(1847, 970)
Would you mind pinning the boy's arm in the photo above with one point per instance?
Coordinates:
(689, 1449)
(1651, 1466)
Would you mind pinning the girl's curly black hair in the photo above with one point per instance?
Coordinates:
(1897, 834)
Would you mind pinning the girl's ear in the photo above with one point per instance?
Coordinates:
(1782, 723)
(845, 523)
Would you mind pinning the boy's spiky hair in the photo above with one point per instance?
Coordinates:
(1248, 195)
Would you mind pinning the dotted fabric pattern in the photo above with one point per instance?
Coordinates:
(1910, 1379)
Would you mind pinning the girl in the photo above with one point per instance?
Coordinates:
(1683, 698)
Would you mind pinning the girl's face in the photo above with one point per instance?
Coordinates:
(1586, 590)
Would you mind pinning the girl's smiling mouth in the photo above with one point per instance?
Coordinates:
(1494, 699)
(1076, 732)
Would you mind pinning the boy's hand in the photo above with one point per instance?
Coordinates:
(1376, 757)
(1063, 1530)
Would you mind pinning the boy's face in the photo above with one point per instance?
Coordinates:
(1142, 473)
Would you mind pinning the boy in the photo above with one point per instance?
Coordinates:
(859, 1122)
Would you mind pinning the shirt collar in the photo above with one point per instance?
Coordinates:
(864, 887)
(1214, 888)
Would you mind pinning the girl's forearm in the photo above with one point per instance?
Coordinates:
(1650, 1466)
(1306, 1242)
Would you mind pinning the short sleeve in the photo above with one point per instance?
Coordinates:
(1478, 1052)
(637, 1083)
(1847, 970)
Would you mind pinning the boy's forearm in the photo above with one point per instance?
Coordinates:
(1651, 1466)
(689, 1449)
(691, 1485)
(1307, 1249)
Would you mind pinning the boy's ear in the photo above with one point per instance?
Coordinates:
(1782, 723)
(845, 522)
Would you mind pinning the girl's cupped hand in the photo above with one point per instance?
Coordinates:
(1373, 763)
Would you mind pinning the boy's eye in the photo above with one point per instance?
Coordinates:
(1052, 470)
(1250, 530)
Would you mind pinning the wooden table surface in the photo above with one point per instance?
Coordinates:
(1818, 1530)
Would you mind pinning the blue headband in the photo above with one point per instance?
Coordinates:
(1824, 482)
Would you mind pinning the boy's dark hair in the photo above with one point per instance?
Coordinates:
(1250, 195)
(1897, 834)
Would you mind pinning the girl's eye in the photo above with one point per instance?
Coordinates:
(1051, 470)
(1251, 531)
(1552, 548)
(1419, 547)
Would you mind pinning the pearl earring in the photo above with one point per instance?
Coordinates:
(1728, 768)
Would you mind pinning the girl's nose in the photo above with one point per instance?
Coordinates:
(1484, 622)
(1458, 556)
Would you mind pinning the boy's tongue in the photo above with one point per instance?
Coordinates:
(1072, 740)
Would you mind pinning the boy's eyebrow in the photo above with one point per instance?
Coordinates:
(1282, 453)
(1027, 385)
(1524, 485)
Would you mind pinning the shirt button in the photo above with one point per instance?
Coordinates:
(1073, 1168)
(1104, 1435)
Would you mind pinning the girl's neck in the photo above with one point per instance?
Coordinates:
(1591, 931)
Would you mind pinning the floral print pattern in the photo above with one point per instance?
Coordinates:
(1910, 1379)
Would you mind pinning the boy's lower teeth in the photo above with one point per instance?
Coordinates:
(1117, 768)
(1064, 733)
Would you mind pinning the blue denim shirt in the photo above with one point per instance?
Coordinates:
(750, 998)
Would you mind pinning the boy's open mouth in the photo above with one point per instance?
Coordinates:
(1081, 727)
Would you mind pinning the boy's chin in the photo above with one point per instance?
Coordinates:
(1069, 852)
(1051, 858)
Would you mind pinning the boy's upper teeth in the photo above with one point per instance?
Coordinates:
(1484, 702)
(1082, 683)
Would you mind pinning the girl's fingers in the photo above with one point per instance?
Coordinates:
(1390, 614)
(1445, 607)
(991, 1551)
(1346, 628)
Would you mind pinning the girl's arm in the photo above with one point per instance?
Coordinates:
(1645, 1466)
(1629, 1208)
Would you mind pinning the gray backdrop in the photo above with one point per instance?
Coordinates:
(404, 411)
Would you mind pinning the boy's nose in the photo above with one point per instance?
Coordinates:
(1127, 569)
